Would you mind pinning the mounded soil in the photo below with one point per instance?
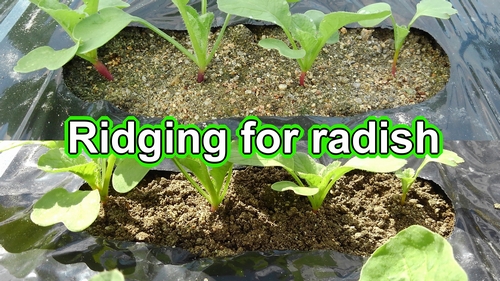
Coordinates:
(361, 212)
(353, 76)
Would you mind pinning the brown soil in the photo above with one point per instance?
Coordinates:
(362, 211)
(153, 78)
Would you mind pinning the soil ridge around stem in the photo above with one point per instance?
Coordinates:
(361, 212)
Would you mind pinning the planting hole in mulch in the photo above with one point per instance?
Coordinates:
(361, 212)
(353, 76)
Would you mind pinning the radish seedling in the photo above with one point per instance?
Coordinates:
(198, 27)
(432, 8)
(319, 178)
(98, 29)
(79, 209)
(95, 23)
(408, 176)
(46, 57)
(215, 181)
(312, 29)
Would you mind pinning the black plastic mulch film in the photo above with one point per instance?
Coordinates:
(35, 105)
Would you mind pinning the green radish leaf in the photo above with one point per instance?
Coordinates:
(50, 4)
(201, 25)
(317, 17)
(220, 173)
(112, 3)
(90, 7)
(66, 17)
(56, 161)
(300, 190)
(198, 168)
(434, 8)
(305, 164)
(333, 39)
(407, 177)
(377, 164)
(77, 210)
(97, 29)
(331, 167)
(313, 180)
(406, 173)
(190, 163)
(45, 57)
(271, 43)
(334, 174)
(214, 182)
(305, 31)
(128, 173)
(277, 12)
(415, 253)
(374, 8)
(332, 22)
(447, 157)
(400, 33)
(113, 275)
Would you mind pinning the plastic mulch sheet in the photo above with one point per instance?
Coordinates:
(53, 253)
(35, 106)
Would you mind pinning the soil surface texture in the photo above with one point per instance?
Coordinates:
(153, 78)
(361, 212)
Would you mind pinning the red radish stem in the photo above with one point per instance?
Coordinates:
(394, 62)
(201, 76)
(101, 68)
(302, 78)
(393, 69)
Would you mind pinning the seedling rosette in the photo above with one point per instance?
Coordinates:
(198, 27)
(68, 19)
(319, 178)
(409, 176)
(96, 22)
(78, 210)
(214, 181)
(98, 29)
(311, 30)
(432, 8)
